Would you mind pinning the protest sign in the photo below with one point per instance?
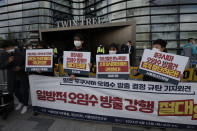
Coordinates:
(76, 62)
(113, 66)
(164, 66)
(39, 59)
(129, 102)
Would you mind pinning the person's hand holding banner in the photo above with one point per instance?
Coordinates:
(164, 66)
(113, 66)
(39, 60)
(76, 62)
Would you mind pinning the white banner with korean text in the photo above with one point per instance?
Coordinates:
(118, 101)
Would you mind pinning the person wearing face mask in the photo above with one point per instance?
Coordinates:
(158, 45)
(78, 43)
(13, 59)
(113, 49)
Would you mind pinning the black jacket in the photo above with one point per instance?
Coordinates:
(12, 75)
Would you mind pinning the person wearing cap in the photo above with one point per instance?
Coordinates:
(13, 60)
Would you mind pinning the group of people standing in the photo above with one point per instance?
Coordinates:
(12, 58)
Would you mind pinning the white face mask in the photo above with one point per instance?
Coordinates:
(77, 43)
(11, 50)
(112, 52)
(155, 49)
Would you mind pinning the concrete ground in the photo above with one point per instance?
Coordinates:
(41, 122)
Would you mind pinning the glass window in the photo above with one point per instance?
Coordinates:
(75, 5)
(142, 28)
(186, 35)
(62, 8)
(141, 11)
(164, 10)
(164, 2)
(101, 12)
(143, 45)
(44, 12)
(142, 37)
(187, 1)
(30, 13)
(4, 30)
(3, 2)
(14, 35)
(15, 15)
(164, 18)
(15, 7)
(136, 3)
(119, 14)
(76, 12)
(165, 27)
(171, 44)
(45, 4)
(101, 4)
(188, 18)
(188, 26)
(172, 51)
(44, 19)
(136, 12)
(31, 5)
(165, 36)
(3, 16)
(44, 26)
(188, 8)
(141, 20)
(89, 2)
(3, 36)
(3, 9)
(113, 1)
(15, 22)
(32, 27)
(118, 6)
(14, 1)
(15, 29)
(3, 24)
(30, 20)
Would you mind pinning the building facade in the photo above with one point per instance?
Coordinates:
(22, 19)
(172, 20)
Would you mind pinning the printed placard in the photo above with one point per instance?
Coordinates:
(39, 59)
(76, 62)
(164, 66)
(113, 66)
